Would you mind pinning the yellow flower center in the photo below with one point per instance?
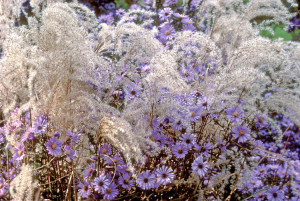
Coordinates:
(104, 151)
(153, 139)
(193, 114)
(235, 114)
(1, 185)
(241, 133)
(109, 190)
(167, 32)
(53, 146)
(20, 153)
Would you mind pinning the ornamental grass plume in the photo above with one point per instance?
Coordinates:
(25, 186)
(170, 100)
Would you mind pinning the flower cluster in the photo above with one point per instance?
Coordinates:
(162, 100)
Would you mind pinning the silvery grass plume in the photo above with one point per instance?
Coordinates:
(25, 186)
(49, 65)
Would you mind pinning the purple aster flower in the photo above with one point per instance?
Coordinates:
(159, 138)
(234, 114)
(1, 138)
(40, 125)
(177, 126)
(261, 122)
(12, 173)
(187, 21)
(19, 152)
(146, 180)
(259, 197)
(164, 175)
(204, 149)
(116, 160)
(2, 134)
(3, 187)
(56, 134)
(165, 13)
(120, 12)
(111, 192)
(274, 194)
(89, 170)
(200, 167)
(135, 7)
(28, 135)
(166, 31)
(69, 151)
(85, 189)
(133, 91)
(194, 114)
(188, 27)
(188, 139)
(169, 2)
(54, 146)
(75, 137)
(105, 149)
(125, 181)
(242, 133)
(110, 6)
(101, 183)
(246, 188)
(180, 149)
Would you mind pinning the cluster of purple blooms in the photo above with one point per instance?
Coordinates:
(107, 176)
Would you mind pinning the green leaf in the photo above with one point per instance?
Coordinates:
(280, 33)
(122, 3)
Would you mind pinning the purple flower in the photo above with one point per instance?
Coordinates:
(101, 183)
(111, 192)
(28, 135)
(188, 139)
(40, 125)
(2, 134)
(241, 133)
(274, 194)
(105, 149)
(89, 170)
(56, 134)
(194, 114)
(125, 181)
(166, 32)
(177, 125)
(169, 2)
(116, 160)
(261, 122)
(188, 27)
(146, 180)
(85, 189)
(133, 91)
(3, 187)
(259, 197)
(75, 137)
(54, 146)
(200, 167)
(109, 6)
(164, 175)
(165, 13)
(234, 114)
(180, 149)
(69, 151)
(120, 12)
(204, 149)
(19, 152)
